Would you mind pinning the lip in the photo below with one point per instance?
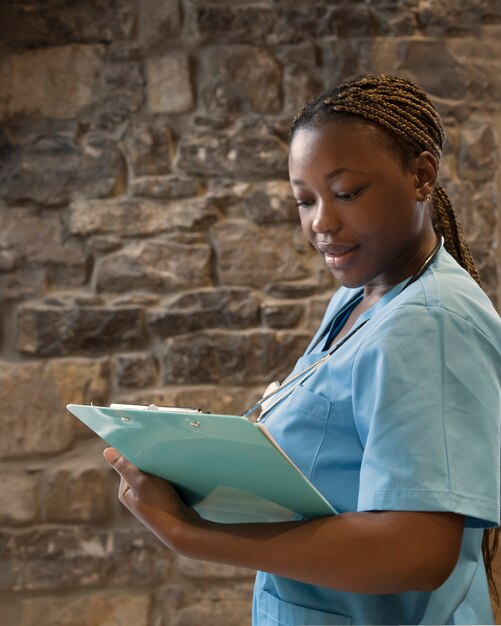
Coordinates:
(338, 256)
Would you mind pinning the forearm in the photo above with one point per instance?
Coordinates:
(386, 552)
(355, 552)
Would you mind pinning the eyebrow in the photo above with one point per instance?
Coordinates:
(329, 176)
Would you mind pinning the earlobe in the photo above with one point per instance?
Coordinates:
(426, 176)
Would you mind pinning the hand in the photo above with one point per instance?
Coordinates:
(154, 501)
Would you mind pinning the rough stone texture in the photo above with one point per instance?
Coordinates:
(136, 217)
(50, 88)
(162, 265)
(18, 499)
(146, 221)
(148, 149)
(77, 490)
(169, 86)
(33, 397)
(232, 358)
(57, 329)
(136, 370)
(203, 569)
(197, 310)
(53, 162)
(247, 79)
(239, 263)
(92, 558)
(173, 186)
(94, 609)
(278, 314)
(247, 155)
(57, 22)
(37, 242)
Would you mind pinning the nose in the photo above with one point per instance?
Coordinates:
(326, 218)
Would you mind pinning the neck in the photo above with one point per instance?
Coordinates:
(412, 266)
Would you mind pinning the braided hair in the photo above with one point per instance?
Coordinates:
(412, 125)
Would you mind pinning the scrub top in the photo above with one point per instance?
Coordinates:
(404, 416)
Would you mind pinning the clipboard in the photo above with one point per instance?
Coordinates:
(226, 467)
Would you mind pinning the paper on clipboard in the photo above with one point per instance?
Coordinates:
(225, 466)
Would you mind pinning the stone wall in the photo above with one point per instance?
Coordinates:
(150, 250)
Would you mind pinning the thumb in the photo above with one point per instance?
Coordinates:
(120, 464)
(111, 455)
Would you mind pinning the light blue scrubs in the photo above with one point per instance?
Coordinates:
(404, 416)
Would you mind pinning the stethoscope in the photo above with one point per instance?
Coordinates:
(289, 385)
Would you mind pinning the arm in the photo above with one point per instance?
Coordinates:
(380, 552)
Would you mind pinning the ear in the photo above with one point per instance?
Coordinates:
(426, 170)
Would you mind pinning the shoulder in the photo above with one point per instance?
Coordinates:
(444, 299)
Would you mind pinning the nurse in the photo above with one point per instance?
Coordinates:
(400, 428)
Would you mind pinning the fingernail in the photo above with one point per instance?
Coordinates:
(111, 455)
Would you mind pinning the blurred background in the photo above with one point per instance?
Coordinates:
(150, 250)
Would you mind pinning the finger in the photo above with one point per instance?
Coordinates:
(122, 466)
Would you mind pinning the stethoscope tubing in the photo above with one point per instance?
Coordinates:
(291, 384)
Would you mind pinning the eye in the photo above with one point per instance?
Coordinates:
(346, 197)
(304, 204)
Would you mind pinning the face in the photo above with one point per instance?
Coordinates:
(357, 205)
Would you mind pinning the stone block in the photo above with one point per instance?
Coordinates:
(51, 162)
(10, 609)
(217, 399)
(270, 202)
(111, 608)
(296, 23)
(198, 310)
(148, 149)
(246, 155)
(487, 265)
(316, 310)
(77, 491)
(350, 21)
(478, 153)
(168, 187)
(61, 558)
(159, 265)
(33, 397)
(57, 82)
(280, 314)
(122, 91)
(222, 357)
(300, 85)
(193, 568)
(440, 18)
(169, 84)
(230, 24)
(227, 603)
(56, 23)
(56, 330)
(227, 612)
(135, 370)
(38, 240)
(393, 22)
(133, 217)
(474, 204)
(345, 58)
(159, 23)
(18, 499)
(255, 257)
(419, 62)
(241, 79)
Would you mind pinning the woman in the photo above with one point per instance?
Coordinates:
(400, 428)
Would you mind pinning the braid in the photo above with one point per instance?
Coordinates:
(413, 124)
(446, 222)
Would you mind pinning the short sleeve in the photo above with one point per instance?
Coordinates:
(427, 404)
